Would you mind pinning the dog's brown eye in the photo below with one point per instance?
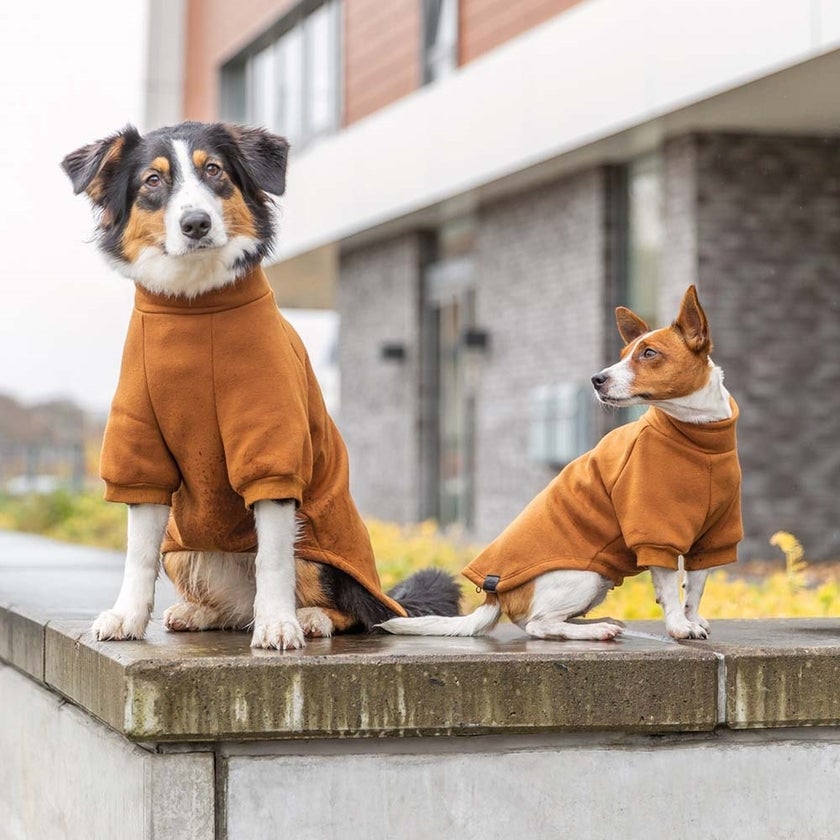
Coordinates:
(152, 180)
(649, 353)
(213, 169)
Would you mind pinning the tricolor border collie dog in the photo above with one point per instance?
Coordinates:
(218, 439)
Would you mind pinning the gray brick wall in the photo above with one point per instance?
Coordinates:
(754, 221)
(767, 246)
(541, 296)
(378, 299)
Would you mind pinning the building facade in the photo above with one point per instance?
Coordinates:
(474, 185)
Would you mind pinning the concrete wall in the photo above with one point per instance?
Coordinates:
(541, 269)
(65, 775)
(755, 221)
(769, 787)
(378, 299)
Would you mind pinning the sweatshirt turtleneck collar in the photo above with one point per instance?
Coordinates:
(715, 437)
(246, 289)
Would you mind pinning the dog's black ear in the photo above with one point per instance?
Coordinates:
(264, 155)
(90, 167)
(630, 325)
(693, 324)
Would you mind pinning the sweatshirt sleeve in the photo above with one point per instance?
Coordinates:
(661, 499)
(718, 546)
(135, 463)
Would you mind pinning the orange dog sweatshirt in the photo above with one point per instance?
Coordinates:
(217, 408)
(648, 492)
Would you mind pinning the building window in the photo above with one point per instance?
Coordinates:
(645, 236)
(440, 39)
(289, 81)
(644, 232)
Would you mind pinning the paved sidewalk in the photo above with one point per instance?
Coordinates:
(60, 580)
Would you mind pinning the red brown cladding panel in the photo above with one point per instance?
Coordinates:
(381, 44)
(381, 54)
(216, 31)
(485, 24)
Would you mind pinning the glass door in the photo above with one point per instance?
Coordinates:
(449, 312)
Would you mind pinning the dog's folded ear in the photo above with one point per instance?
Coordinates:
(630, 325)
(90, 167)
(264, 155)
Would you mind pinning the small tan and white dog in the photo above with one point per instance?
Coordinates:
(653, 493)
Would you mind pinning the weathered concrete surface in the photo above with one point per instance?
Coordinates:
(22, 639)
(64, 775)
(784, 672)
(212, 686)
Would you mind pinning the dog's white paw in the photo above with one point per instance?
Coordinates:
(698, 619)
(116, 626)
(190, 617)
(548, 628)
(277, 634)
(315, 622)
(687, 630)
(607, 630)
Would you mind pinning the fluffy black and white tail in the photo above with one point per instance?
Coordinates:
(477, 623)
(429, 592)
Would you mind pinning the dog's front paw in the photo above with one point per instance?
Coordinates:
(115, 625)
(277, 634)
(694, 618)
(687, 630)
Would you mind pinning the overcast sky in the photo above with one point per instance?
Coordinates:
(70, 73)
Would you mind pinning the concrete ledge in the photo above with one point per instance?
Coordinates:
(212, 686)
(22, 639)
(780, 673)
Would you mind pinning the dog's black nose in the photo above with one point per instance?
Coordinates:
(195, 224)
(599, 379)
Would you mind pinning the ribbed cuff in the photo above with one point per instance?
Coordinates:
(653, 555)
(707, 559)
(274, 487)
(138, 494)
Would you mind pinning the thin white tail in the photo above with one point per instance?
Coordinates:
(477, 623)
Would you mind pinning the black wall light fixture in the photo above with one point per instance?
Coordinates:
(475, 338)
(392, 351)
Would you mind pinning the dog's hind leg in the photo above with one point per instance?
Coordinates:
(321, 622)
(560, 598)
(217, 588)
(555, 626)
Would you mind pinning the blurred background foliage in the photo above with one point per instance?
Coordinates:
(782, 587)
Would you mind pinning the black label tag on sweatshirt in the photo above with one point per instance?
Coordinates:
(490, 583)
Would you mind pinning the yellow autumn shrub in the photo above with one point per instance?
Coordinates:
(789, 591)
